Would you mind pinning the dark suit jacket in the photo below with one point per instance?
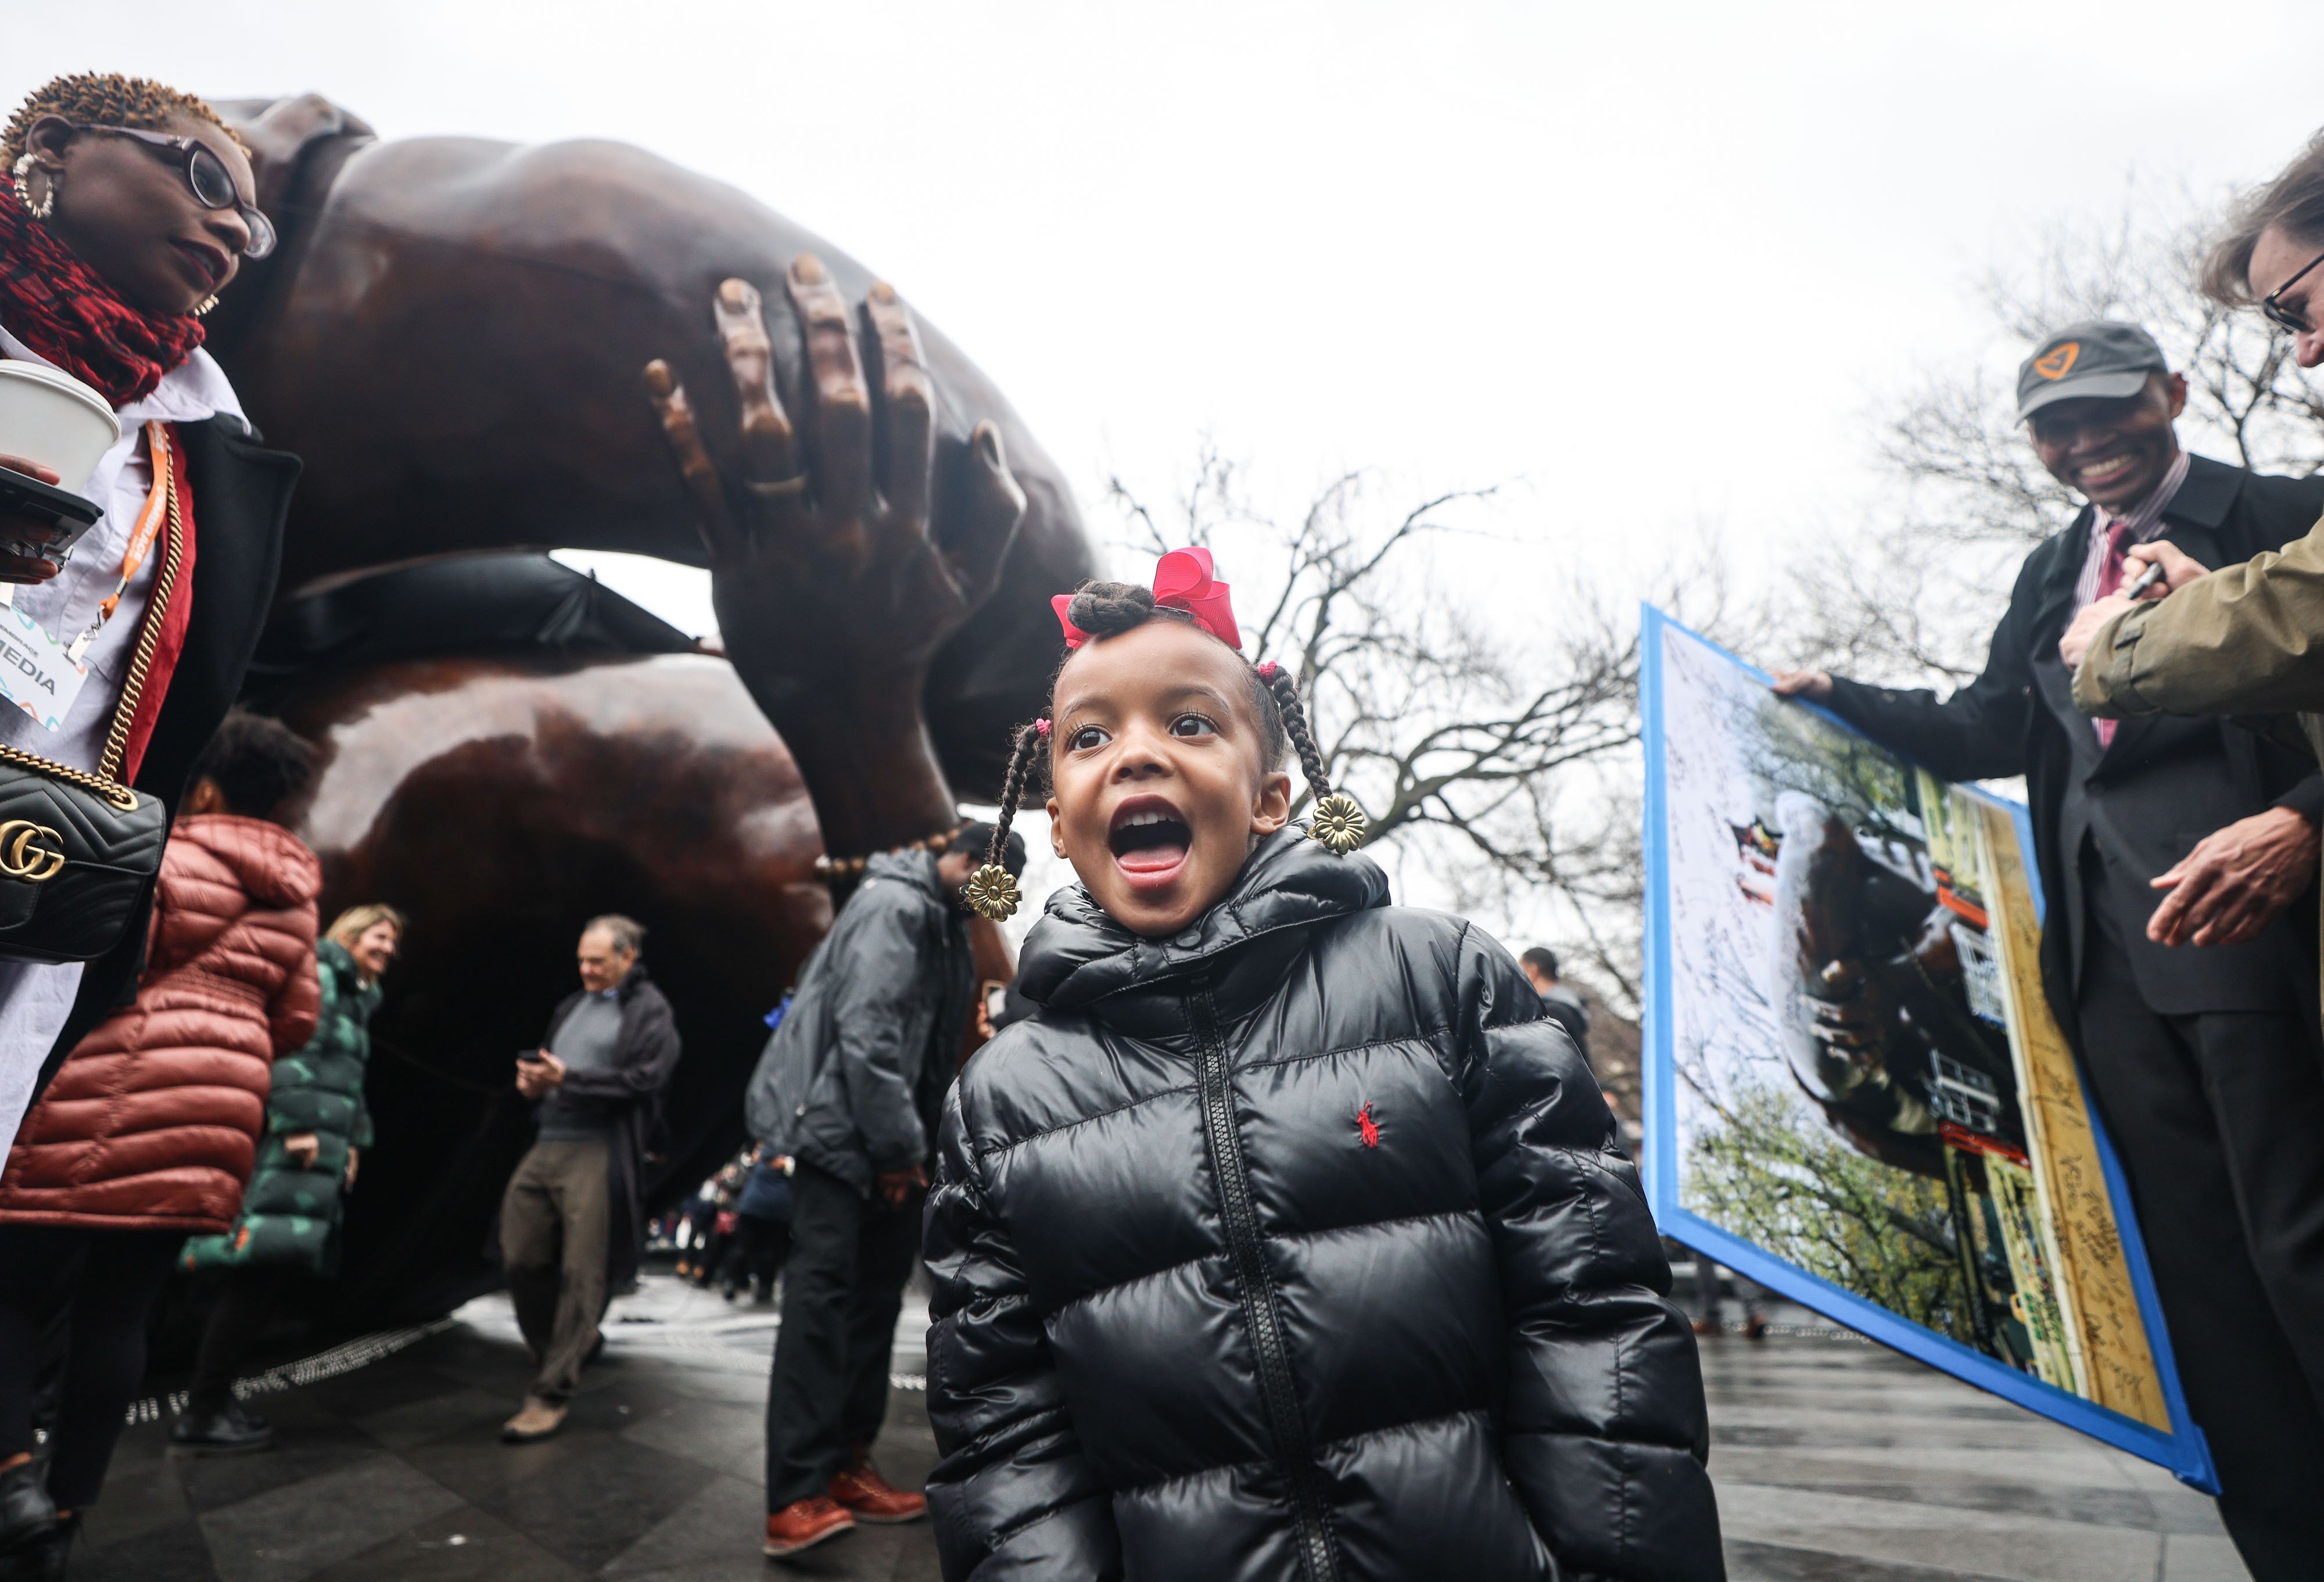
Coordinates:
(2133, 806)
(242, 493)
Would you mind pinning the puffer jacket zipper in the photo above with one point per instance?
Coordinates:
(1317, 1547)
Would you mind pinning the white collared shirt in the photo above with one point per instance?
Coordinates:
(194, 391)
(2143, 519)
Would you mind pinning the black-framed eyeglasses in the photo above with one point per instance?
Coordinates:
(2290, 319)
(211, 182)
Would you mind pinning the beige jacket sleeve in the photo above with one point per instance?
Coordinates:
(2247, 639)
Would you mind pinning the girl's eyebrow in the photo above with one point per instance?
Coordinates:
(1178, 693)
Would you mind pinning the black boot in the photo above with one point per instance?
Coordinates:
(228, 1430)
(46, 1562)
(28, 1521)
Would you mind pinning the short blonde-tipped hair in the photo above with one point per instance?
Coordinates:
(348, 927)
(106, 98)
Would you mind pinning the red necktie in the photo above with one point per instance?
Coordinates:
(2109, 582)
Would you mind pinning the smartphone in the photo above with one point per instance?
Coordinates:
(70, 515)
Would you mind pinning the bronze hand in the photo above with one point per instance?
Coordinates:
(832, 593)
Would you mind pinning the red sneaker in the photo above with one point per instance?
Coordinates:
(804, 1523)
(870, 1497)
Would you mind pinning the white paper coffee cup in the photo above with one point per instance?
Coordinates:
(48, 417)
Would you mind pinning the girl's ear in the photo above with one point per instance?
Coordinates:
(1272, 811)
(1056, 830)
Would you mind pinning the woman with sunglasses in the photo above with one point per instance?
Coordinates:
(125, 207)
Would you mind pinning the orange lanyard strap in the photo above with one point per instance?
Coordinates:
(149, 520)
(140, 538)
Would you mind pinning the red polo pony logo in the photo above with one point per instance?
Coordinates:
(1367, 1125)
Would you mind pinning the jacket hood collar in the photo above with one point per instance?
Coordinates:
(274, 865)
(1076, 953)
(917, 869)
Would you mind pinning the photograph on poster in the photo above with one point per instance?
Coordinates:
(1858, 1075)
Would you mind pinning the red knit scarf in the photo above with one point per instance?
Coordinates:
(63, 309)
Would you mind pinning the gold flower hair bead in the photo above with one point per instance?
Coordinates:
(1338, 823)
(993, 893)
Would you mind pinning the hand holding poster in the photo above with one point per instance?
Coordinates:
(1855, 1093)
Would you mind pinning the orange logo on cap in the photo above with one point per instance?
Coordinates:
(2059, 361)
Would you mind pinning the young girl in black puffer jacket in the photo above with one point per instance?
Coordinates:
(1290, 1238)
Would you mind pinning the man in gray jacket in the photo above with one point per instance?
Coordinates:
(851, 1086)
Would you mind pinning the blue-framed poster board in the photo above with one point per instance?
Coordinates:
(1855, 1092)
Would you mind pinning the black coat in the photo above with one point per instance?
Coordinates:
(645, 1053)
(1299, 1246)
(852, 1079)
(241, 495)
(2000, 724)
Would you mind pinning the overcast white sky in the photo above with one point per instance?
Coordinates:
(1656, 261)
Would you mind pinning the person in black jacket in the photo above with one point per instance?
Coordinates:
(850, 1086)
(125, 207)
(2204, 1058)
(1564, 1007)
(572, 1216)
(1290, 1238)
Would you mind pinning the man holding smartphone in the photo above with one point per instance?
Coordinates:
(569, 1219)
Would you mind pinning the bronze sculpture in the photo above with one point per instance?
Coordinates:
(455, 336)
(452, 335)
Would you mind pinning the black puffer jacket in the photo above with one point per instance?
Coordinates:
(1298, 1246)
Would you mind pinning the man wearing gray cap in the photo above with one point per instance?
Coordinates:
(2204, 1056)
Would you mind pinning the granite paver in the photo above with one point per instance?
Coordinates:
(1836, 1461)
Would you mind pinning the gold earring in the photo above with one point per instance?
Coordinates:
(47, 205)
(204, 305)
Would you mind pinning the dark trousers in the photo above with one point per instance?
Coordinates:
(249, 1300)
(2219, 1119)
(555, 1219)
(120, 1274)
(758, 1253)
(843, 1287)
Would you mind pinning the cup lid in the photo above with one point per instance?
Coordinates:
(63, 382)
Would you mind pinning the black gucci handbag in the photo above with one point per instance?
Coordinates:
(78, 851)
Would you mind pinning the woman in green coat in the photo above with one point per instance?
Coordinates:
(317, 1126)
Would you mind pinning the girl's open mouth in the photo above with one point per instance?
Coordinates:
(1149, 840)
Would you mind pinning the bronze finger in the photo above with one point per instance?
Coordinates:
(839, 430)
(906, 408)
(770, 451)
(976, 547)
(695, 467)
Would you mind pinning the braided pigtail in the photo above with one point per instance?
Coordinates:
(1338, 823)
(993, 888)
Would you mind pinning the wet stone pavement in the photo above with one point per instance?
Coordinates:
(1836, 1461)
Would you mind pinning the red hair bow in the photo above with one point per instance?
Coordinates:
(1182, 581)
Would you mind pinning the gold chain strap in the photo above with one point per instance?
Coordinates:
(106, 781)
(149, 629)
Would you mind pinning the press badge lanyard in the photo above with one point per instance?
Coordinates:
(140, 538)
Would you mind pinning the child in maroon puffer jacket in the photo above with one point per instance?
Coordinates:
(149, 1129)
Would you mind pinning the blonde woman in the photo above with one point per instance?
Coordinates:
(316, 1127)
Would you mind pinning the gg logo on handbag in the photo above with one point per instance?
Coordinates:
(20, 858)
(82, 847)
